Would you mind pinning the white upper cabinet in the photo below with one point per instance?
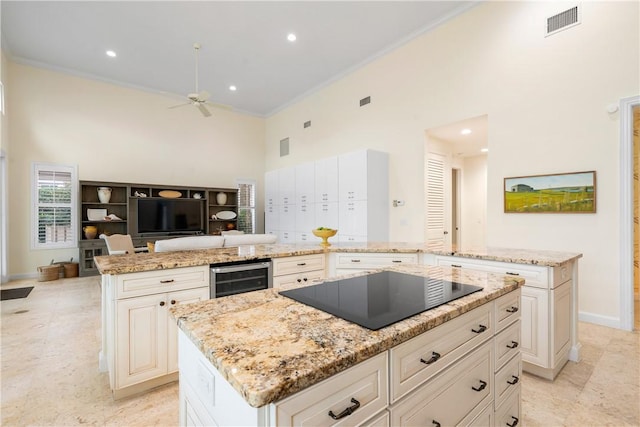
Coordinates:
(287, 186)
(305, 183)
(326, 215)
(271, 189)
(326, 180)
(352, 170)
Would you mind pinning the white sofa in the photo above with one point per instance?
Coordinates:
(209, 242)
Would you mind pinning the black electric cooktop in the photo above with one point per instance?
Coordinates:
(380, 299)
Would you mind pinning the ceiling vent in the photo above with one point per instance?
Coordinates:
(563, 20)
(284, 147)
(307, 124)
(365, 101)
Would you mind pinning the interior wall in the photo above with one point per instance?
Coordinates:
(546, 97)
(117, 134)
(4, 171)
(474, 202)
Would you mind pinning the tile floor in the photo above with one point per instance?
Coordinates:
(49, 370)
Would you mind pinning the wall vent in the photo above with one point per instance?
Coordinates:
(563, 20)
(307, 124)
(284, 147)
(365, 101)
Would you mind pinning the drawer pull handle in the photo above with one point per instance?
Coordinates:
(161, 303)
(512, 274)
(482, 386)
(355, 260)
(396, 260)
(173, 302)
(167, 281)
(301, 264)
(434, 356)
(512, 345)
(514, 423)
(512, 310)
(514, 381)
(350, 410)
(435, 423)
(299, 280)
(480, 330)
(456, 265)
(304, 278)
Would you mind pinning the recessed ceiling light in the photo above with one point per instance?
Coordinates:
(484, 150)
(232, 87)
(291, 37)
(465, 131)
(111, 54)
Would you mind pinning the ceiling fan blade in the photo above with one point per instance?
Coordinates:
(203, 110)
(203, 96)
(180, 105)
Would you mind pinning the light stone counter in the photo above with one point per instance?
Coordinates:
(269, 347)
(119, 264)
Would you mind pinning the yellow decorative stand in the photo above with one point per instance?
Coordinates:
(324, 234)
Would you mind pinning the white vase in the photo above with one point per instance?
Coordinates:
(221, 198)
(104, 194)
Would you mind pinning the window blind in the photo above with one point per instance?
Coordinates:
(247, 206)
(54, 209)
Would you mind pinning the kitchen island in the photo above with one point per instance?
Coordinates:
(139, 348)
(263, 359)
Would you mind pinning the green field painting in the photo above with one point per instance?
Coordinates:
(562, 193)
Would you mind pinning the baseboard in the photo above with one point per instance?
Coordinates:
(598, 319)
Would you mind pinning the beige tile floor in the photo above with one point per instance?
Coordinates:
(49, 370)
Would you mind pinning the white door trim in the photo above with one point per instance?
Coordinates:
(4, 212)
(626, 211)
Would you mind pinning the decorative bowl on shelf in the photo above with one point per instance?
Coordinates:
(324, 234)
(226, 215)
(170, 194)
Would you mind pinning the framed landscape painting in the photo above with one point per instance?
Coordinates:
(561, 193)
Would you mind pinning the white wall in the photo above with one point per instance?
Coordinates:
(474, 202)
(545, 99)
(116, 134)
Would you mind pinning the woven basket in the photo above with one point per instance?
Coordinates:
(70, 269)
(48, 272)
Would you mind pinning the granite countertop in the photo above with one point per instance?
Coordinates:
(269, 347)
(119, 264)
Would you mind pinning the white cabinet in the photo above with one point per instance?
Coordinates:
(363, 189)
(326, 180)
(349, 193)
(298, 269)
(547, 331)
(142, 350)
(341, 263)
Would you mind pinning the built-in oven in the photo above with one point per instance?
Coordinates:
(239, 277)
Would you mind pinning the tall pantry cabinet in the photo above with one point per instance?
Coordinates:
(349, 192)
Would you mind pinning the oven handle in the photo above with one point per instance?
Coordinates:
(241, 267)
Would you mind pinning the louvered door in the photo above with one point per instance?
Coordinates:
(437, 205)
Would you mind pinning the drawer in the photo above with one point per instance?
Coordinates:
(507, 309)
(298, 264)
(415, 361)
(301, 278)
(150, 282)
(381, 420)
(508, 343)
(363, 386)
(373, 260)
(485, 419)
(534, 275)
(509, 412)
(508, 379)
(456, 397)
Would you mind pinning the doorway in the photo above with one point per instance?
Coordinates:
(456, 183)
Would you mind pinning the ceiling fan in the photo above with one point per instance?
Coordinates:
(199, 99)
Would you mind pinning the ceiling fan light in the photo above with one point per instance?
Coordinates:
(111, 53)
(232, 88)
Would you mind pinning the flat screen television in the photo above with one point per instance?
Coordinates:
(164, 216)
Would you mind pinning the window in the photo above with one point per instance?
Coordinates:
(54, 206)
(247, 206)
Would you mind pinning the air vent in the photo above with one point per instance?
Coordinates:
(307, 124)
(563, 20)
(284, 147)
(365, 101)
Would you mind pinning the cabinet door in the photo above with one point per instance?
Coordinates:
(327, 215)
(352, 170)
(305, 218)
(326, 180)
(535, 326)
(305, 183)
(299, 278)
(352, 218)
(561, 321)
(271, 219)
(271, 188)
(141, 341)
(177, 298)
(287, 186)
(287, 218)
